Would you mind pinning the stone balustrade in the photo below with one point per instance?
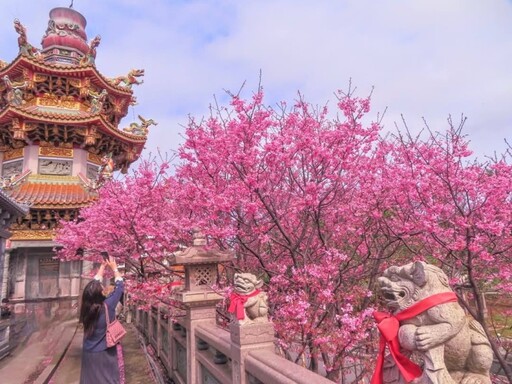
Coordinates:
(194, 349)
(244, 354)
(5, 330)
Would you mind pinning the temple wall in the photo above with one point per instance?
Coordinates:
(35, 275)
(79, 162)
(31, 158)
(4, 269)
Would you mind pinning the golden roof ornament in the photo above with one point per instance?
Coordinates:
(130, 79)
(140, 129)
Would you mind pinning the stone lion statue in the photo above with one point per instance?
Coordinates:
(452, 346)
(247, 302)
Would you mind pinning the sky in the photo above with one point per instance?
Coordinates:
(423, 59)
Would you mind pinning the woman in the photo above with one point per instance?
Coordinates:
(99, 363)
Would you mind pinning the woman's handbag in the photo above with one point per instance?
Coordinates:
(115, 330)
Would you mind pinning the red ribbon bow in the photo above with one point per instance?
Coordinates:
(388, 326)
(237, 302)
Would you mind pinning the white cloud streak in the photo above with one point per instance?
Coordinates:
(426, 58)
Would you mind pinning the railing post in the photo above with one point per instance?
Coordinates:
(246, 338)
(197, 296)
(250, 328)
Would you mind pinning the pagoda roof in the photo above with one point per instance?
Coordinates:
(68, 116)
(16, 67)
(57, 192)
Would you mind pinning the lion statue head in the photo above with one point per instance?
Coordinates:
(403, 286)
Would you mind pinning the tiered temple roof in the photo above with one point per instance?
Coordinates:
(59, 124)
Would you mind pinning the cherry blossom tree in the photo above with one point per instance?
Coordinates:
(455, 212)
(317, 202)
(128, 222)
(296, 192)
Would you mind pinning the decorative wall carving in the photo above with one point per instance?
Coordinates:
(55, 167)
(12, 168)
(55, 152)
(13, 154)
(43, 219)
(51, 100)
(32, 235)
(92, 171)
(93, 158)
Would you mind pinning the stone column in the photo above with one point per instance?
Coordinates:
(246, 338)
(20, 279)
(4, 272)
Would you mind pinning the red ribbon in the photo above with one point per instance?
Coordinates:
(388, 326)
(237, 302)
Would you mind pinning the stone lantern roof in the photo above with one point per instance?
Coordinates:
(201, 268)
(199, 253)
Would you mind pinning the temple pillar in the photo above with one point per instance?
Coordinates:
(4, 274)
(19, 273)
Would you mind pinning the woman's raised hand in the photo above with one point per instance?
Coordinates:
(111, 262)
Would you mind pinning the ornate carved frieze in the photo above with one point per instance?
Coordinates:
(12, 168)
(55, 152)
(55, 167)
(39, 78)
(42, 219)
(32, 235)
(13, 154)
(92, 171)
(52, 100)
(28, 77)
(91, 135)
(93, 158)
(18, 131)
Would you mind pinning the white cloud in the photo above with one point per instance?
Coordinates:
(425, 58)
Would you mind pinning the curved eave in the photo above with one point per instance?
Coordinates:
(59, 206)
(15, 208)
(14, 69)
(54, 117)
(53, 195)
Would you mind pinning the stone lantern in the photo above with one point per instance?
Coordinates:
(200, 264)
(201, 267)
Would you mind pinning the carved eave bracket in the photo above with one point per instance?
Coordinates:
(18, 130)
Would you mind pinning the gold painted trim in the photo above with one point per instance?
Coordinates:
(51, 100)
(47, 234)
(93, 158)
(56, 152)
(13, 154)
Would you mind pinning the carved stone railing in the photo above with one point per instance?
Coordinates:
(5, 330)
(242, 355)
(194, 350)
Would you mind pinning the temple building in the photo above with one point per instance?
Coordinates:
(59, 140)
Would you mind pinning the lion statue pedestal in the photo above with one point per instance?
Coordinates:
(426, 320)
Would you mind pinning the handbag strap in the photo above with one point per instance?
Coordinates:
(106, 314)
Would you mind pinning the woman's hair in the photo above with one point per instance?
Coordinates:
(92, 301)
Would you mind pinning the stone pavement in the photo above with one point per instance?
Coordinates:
(52, 356)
